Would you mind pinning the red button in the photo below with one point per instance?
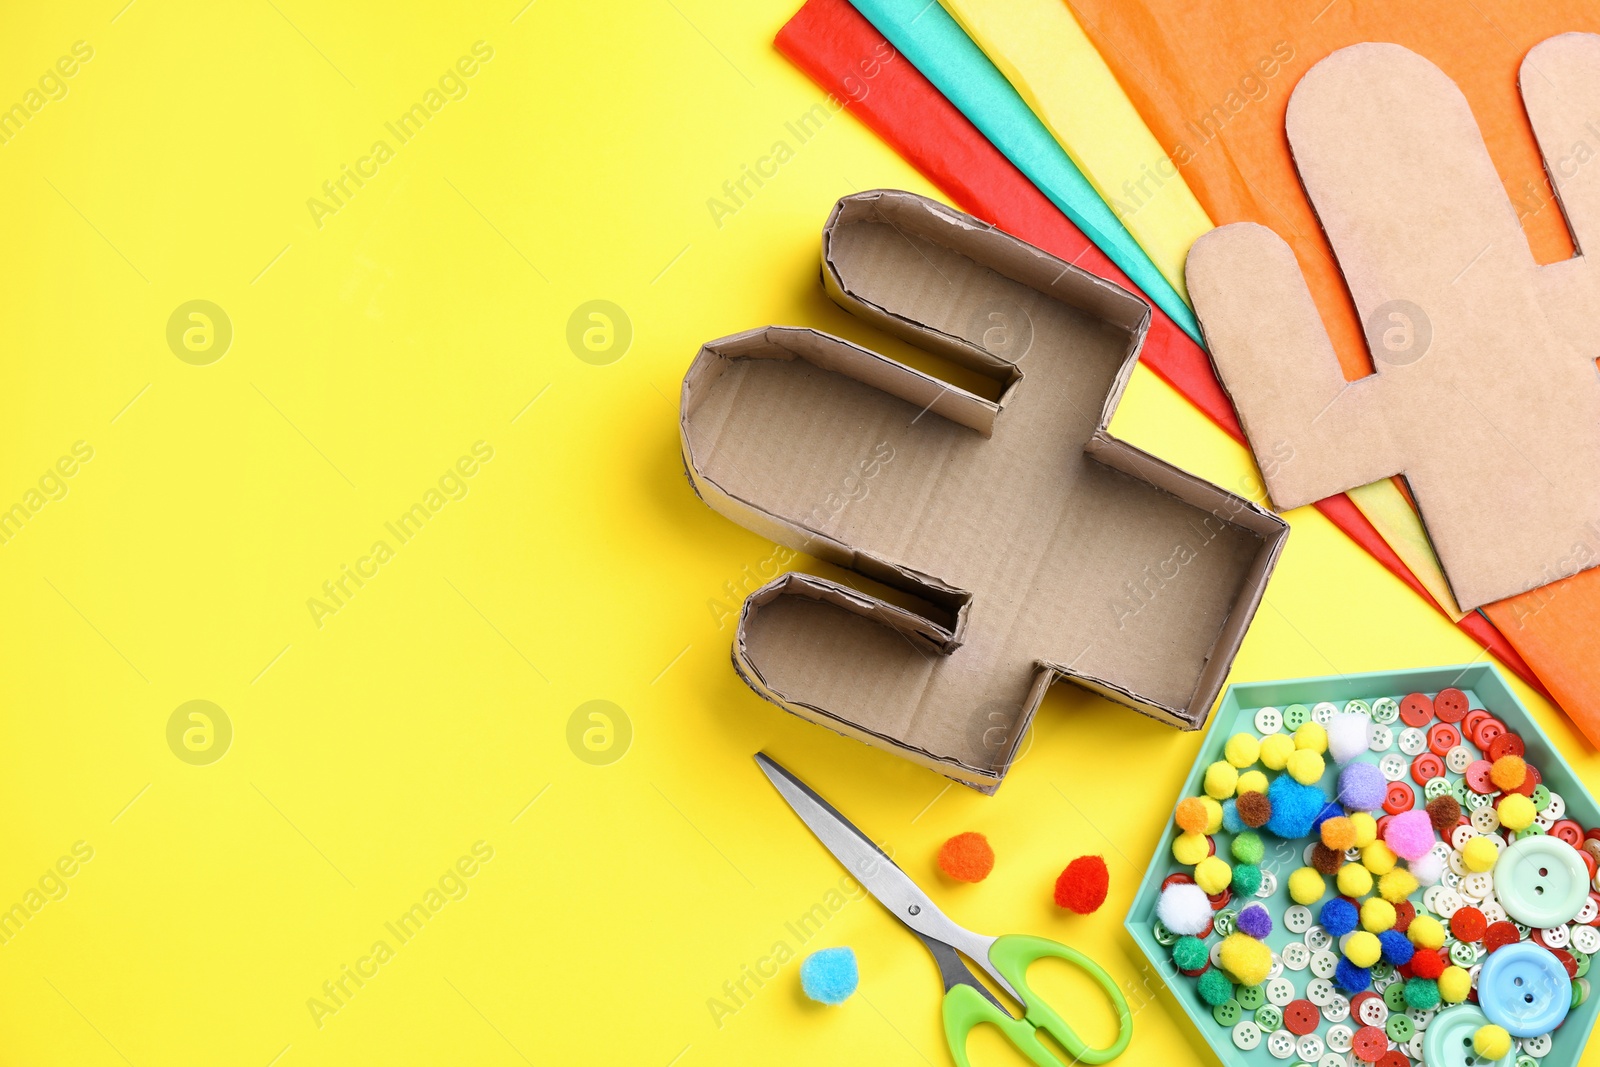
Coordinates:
(1176, 879)
(1220, 901)
(1570, 832)
(1427, 767)
(1450, 705)
(1596, 898)
(1468, 924)
(1499, 935)
(1469, 725)
(1195, 973)
(1383, 827)
(1369, 1044)
(1589, 862)
(1211, 845)
(1399, 798)
(1529, 780)
(1404, 912)
(1442, 737)
(1300, 1017)
(1488, 730)
(1477, 777)
(1506, 745)
(1568, 960)
(1394, 1058)
(1416, 710)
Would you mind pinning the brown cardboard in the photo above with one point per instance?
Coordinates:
(999, 544)
(1486, 396)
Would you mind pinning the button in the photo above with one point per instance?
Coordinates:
(1413, 742)
(1322, 713)
(1379, 737)
(1369, 1044)
(1371, 1010)
(1300, 1017)
(1476, 886)
(1269, 1017)
(1358, 707)
(1246, 1035)
(1541, 882)
(1295, 716)
(1297, 957)
(1337, 1009)
(1404, 912)
(1586, 939)
(1556, 937)
(1538, 1047)
(1416, 709)
(1468, 924)
(1524, 989)
(1450, 705)
(1320, 992)
(1420, 1019)
(1310, 1047)
(1393, 766)
(1339, 1037)
(1499, 935)
(1507, 744)
(1269, 884)
(1461, 835)
(1228, 1012)
(1458, 759)
(1486, 820)
(1477, 776)
(1434, 788)
(1297, 919)
(1400, 1028)
(1558, 808)
(1280, 991)
(1318, 938)
(1281, 1044)
(1487, 731)
(1395, 996)
(1385, 710)
(1427, 767)
(1324, 964)
(1269, 721)
(1469, 725)
(1442, 737)
(1448, 1042)
(1398, 798)
(1541, 797)
(1590, 910)
(1462, 953)
(1251, 997)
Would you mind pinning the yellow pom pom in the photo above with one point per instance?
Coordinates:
(1213, 815)
(1454, 985)
(1251, 782)
(1247, 959)
(1516, 811)
(1378, 858)
(1491, 1042)
(1306, 886)
(1426, 932)
(1221, 778)
(1366, 829)
(1190, 848)
(1377, 915)
(1354, 880)
(1311, 738)
(1362, 948)
(1275, 749)
(1338, 833)
(1480, 854)
(1242, 750)
(1305, 766)
(1397, 885)
(1213, 875)
(1190, 815)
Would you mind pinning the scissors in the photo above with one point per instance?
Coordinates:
(967, 1002)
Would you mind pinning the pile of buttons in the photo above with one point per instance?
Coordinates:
(1463, 911)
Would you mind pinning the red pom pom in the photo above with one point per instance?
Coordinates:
(1082, 886)
(1427, 964)
(967, 857)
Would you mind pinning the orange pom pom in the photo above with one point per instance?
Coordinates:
(1191, 815)
(1338, 833)
(1508, 772)
(967, 857)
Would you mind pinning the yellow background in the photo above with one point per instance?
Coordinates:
(372, 752)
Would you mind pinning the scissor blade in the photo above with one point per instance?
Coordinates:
(873, 868)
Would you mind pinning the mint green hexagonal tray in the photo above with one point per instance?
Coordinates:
(1485, 688)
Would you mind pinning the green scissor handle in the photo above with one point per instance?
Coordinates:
(966, 1008)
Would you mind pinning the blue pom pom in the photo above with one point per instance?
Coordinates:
(1230, 816)
(1294, 807)
(1339, 917)
(1331, 810)
(1397, 948)
(1350, 978)
(1362, 786)
(829, 976)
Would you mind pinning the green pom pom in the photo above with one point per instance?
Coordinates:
(1247, 848)
(1246, 879)
(1190, 953)
(1422, 993)
(1215, 987)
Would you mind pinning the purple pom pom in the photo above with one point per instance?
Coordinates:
(1362, 786)
(1256, 921)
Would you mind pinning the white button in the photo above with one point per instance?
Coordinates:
(1280, 991)
(1357, 707)
(1307, 853)
(1449, 902)
(1297, 957)
(1297, 919)
(1216, 954)
(1414, 1046)
(1544, 820)
(1324, 964)
(1384, 709)
(1557, 808)
(1310, 1047)
(1341, 1038)
(1320, 991)
(1588, 912)
(1247, 1035)
(1458, 759)
(1268, 721)
(1461, 835)
(1477, 885)
(1281, 1044)
(1450, 880)
(1269, 885)
(1277, 965)
(1379, 737)
(1420, 1018)
(1556, 936)
(1337, 1008)
(1333, 1059)
(1472, 973)
(1458, 865)
(1393, 766)
(1537, 1047)
(1492, 911)
(1586, 939)
(1352, 855)
(1322, 714)
(1486, 820)
(1318, 938)
(1413, 742)
(1373, 1012)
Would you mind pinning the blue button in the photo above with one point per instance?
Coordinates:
(1447, 1042)
(1524, 988)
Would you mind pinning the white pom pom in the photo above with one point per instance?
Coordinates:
(1184, 909)
(1348, 736)
(1428, 869)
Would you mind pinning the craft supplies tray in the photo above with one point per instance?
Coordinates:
(1378, 1025)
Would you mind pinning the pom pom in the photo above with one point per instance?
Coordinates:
(1410, 834)
(1480, 854)
(829, 976)
(1454, 985)
(1362, 786)
(1247, 847)
(1251, 782)
(1363, 949)
(1294, 807)
(1221, 779)
(1508, 773)
(1377, 915)
(1230, 816)
(1246, 879)
(1422, 993)
(1305, 766)
(1256, 921)
(1516, 811)
(1444, 813)
(1306, 886)
(1426, 932)
(1184, 909)
(1397, 949)
(1215, 988)
(1275, 750)
(1348, 736)
(1190, 954)
(1428, 870)
(1082, 886)
(1254, 809)
(1190, 848)
(1326, 860)
(1213, 814)
(1213, 874)
(1330, 810)
(1397, 885)
(1378, 858)
(1427, 964)
(1354, 880)
(1366, 828)
(1311, 737)
(1339, 834)
(1191, 815)
(1245, 958)
(1492, 1042)
(1242, 750)
(1350, 978)
(1338, 916)
(967, 857)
